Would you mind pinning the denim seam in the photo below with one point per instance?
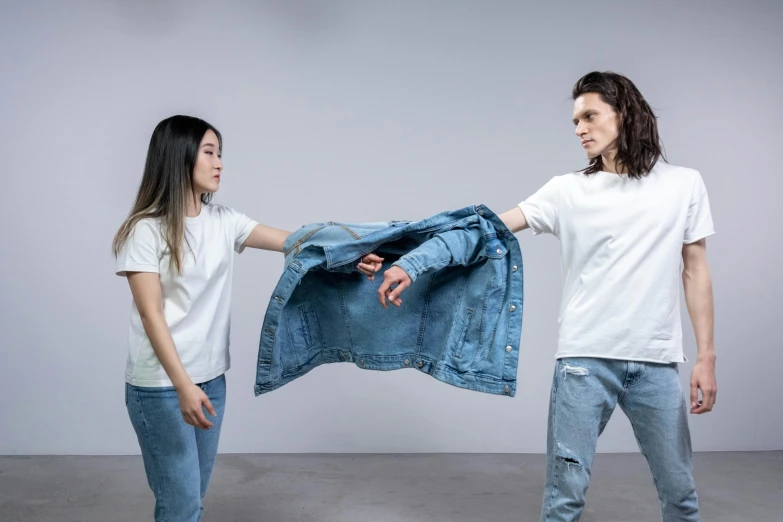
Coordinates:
(482, 325)
(290, 340)
(459, 342)
(555, 476)
(353, 234)
(153, 452)
(308, 338)
(302, 240)
(484, 378)
(647, 458)
(485, 354)
(344, 310)
(456, 351)
(376, 244)
(423, 322)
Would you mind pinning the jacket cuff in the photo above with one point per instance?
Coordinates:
(409, 267)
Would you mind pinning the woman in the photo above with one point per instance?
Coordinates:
(175, 250)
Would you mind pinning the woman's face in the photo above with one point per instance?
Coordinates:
(206, 174)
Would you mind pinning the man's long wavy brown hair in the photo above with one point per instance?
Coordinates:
(638, 145)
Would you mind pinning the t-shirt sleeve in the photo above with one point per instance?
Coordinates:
(242, 226)
(141, 251)
(699, 221)
(541, 210)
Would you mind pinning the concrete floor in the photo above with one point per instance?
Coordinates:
(733, 487)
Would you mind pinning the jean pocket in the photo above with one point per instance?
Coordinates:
(459, 334)
(304, 335)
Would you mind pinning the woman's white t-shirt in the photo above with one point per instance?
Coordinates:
(621, 243)
(197, 303)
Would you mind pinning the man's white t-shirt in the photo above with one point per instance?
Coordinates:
(197, 303)
(621, 243)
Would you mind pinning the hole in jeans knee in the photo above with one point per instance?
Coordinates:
(566, 455)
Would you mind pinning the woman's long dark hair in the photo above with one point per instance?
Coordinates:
(167, 182)
(638, 145)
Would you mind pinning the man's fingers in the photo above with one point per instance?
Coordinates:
(382, 292)
(394, 296)
(694, 394)
(703, 408)
(707, 402)
(372, 258)
(709, 397)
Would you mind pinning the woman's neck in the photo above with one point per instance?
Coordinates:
(193, 206)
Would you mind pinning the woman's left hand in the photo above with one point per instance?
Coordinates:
(370, 264)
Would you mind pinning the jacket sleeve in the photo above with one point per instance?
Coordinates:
(463, 246)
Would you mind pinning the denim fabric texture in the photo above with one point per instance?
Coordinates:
(178, 458)
(460, 320)
(585, 393)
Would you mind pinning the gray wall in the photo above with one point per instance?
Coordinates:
(364, 111)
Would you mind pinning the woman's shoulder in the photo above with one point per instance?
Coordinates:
(147, 226)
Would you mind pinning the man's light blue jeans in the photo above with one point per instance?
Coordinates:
(585, 392)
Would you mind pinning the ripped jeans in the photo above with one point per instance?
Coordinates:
(585, 392)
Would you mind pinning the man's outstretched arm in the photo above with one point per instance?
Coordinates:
(514, 220)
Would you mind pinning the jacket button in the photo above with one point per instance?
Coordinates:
(508, 348)
(419, 364)
(506, 389)
(406, 362)
(514, 268)
(480, 212)
(512, 308)
(499, 251)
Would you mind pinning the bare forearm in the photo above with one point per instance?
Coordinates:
(163, 346)
(267, 238)
(698, 297)
(514, 220)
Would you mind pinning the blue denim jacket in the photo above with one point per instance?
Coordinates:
(460, 320)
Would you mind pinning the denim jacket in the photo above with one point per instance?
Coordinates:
(460, 320)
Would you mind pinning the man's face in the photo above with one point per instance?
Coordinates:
(597, 125)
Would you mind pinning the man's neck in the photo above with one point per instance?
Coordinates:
(609, 163)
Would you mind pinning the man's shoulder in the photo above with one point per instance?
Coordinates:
(669, 169)
(677, 175)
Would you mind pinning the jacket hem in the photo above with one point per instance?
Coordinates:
(467, 380)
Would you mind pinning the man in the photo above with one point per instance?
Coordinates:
(630, 225)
